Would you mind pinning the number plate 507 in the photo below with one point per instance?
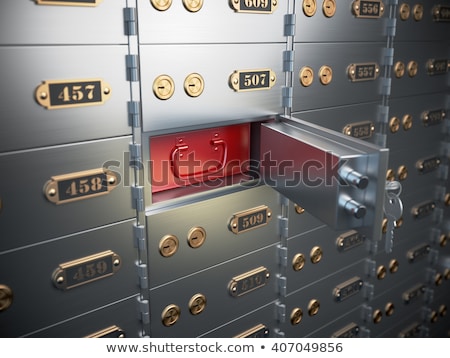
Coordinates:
(250, 219)
(252, 80)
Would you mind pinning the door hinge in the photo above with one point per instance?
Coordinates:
(129, 15)
(132, 62)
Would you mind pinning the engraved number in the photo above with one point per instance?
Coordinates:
(84, 186)
(90, 270)
(255, 80)
(257, 3)
(252, 220)
(76, 93)
(251, 282)
(365, 71)
(370, 8)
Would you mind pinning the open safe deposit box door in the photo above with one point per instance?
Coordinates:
(338, 179)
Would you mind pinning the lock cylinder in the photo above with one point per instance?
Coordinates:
(354, 178)
(353, 207)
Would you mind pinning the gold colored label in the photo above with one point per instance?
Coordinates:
(254, 6)
(428, 165)
(413, 293)
(86, 269)
(359, 72)
(110, 332)
(441, 13)
(259, 331)
(347, 289)
(360, 130)
(422, 210)
(349, 331)
(248, 282)
(418, 252)
(438, 67)
(368, 9)
(69, 2)
(61, 189)
(252, 80)
(431, 118)
(72, 93)
(349, 240)
(250, 219)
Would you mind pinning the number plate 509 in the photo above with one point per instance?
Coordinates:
(250, 219)
(67, 188)
(252, 80)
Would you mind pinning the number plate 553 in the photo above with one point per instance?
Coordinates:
(74, 93)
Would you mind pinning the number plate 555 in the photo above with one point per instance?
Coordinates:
(74, 93)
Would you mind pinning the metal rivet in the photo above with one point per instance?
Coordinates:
(407, 122)
(381, 272)
(298, 209)
(393, 266)
(389, 309)
(394, 124)
(377, 316)
(402, 172)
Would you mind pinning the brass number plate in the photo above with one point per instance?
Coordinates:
(438, 67)
(347, 289)
(255, 6)
(368, 9)
(250, 219)
(71, 187)
(359, 72)
(431, 118)
(428, 165)
(360, 130)
(413, 293)
(110, 332)
(252, 80)
(248, 282)
(76, 93)
(418, 252)
(349, 240)
(349, 331)
(87, 269)
(259, 331)
(69, 2)
(441, 13)
(422, 210)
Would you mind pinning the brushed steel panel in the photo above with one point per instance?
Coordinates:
(27, 217)
(342, 26)
(215, 22)
(332, 260)
(422, 82)
(425, 29)
(341, 91)
(25, 23)
(29, 273)
(213, 283)
(337, 118)
(121, 314)
(25, 124)
(220, 245)
(218, 102)
(322, 291)
(418, 135)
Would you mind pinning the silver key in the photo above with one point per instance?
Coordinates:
(393, 209)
